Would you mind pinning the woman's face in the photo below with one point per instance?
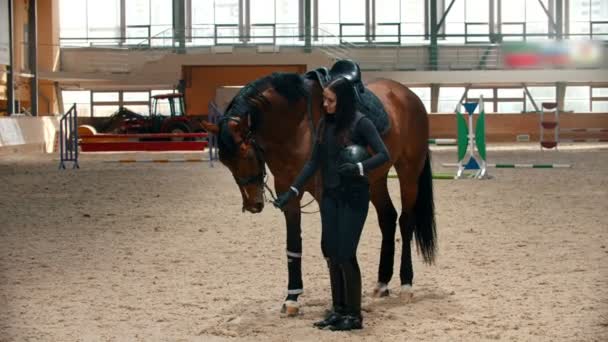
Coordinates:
(329, 101)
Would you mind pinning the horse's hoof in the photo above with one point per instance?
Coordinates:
(291, 308)
(381, 290)
(406, 293)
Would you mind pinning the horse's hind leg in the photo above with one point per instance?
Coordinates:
(387, 218)
(408, 181)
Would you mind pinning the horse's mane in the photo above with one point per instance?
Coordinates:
(291, 86)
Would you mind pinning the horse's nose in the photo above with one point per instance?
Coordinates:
(254, 208)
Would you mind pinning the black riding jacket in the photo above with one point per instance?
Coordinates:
(325, 153)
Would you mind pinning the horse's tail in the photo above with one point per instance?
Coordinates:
(424, 213)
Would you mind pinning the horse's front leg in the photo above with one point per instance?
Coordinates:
(295, 286)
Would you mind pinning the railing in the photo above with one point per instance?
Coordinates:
(68, 138)
(381, 49)
(332, 34)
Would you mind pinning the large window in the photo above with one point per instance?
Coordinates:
(412, 20)
(424, 93)
(449, 98)
(215, 22)
(578, 99)
(209, 22)
(589, 18)
(272, 18)
(539, 95)
(90, 22)
(149, 18)
(509, 100)
(599, 99)
(537, 22)
(474, 95)
(106, 103)
(455, 22)
(82, 99)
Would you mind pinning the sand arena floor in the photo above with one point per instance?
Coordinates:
(162, 252)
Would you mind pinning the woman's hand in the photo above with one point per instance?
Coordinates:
(283, 199)
(348, 170)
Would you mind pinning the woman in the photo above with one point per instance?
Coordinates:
(345, 199)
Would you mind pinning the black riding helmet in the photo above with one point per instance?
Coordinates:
(352, 154)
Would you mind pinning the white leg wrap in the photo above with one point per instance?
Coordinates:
(294, 255)
(381, 287)
(295, 291)
(406, 293)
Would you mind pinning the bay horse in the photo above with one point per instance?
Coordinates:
(272, 121)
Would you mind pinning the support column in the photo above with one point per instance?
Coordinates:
(247, 21)
(307, 26)
(179, 26)
(499, 21)
(33, 55)
(559, 19)
(433, 47)
(552, 26)
(560, 95)
(492, 22)
(123, 21)
(566, 18)
(434, 98)
(10, 77)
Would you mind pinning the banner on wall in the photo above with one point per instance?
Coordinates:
(4, 36)
(551, 54)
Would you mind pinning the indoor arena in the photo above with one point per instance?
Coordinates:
(178, 170)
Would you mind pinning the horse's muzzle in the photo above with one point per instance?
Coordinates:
(254, 208)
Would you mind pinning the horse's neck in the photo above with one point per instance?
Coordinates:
(287, 140)
(287, 133)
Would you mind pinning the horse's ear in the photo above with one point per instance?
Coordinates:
(209, 127)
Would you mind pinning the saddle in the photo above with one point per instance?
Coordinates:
(367, 102)
(342, 68)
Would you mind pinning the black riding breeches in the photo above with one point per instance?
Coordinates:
(343, 214)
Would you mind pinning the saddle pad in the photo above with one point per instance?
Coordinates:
(373, 109)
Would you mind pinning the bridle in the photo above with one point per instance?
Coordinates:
(261, 178)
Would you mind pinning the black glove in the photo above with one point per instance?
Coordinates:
(348, 170)
(283, 198)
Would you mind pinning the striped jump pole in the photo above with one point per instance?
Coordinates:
(157, 161)
(592, 131)
(584, 130)
(435, 175)
(582, 140)
(519, 166)
(443, 141)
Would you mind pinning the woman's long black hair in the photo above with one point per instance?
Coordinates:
(346, 106)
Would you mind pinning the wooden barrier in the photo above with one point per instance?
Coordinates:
(143, 142)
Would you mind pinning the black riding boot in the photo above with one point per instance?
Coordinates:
(352, 318)
(337, 295)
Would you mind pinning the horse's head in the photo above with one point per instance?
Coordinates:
(243, 156)
(237, 129)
